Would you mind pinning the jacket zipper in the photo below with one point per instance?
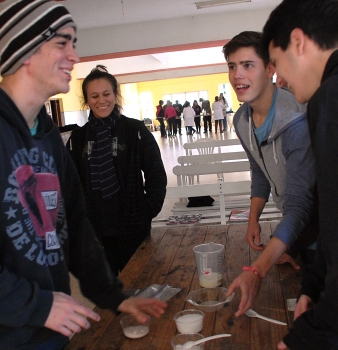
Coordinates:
(261, 157)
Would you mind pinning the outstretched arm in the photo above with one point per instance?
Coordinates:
(249, 283)
(68, 316)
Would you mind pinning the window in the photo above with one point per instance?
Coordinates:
(186, 96)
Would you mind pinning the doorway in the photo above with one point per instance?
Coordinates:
(56, 109)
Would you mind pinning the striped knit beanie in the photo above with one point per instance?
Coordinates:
(24, 26)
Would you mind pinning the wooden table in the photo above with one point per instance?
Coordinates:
(167, 257)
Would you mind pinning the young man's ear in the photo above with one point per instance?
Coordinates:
(271, 70)
(297, 41)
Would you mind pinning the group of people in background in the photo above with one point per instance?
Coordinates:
(171, 114)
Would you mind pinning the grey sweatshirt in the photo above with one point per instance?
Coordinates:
(283, 164)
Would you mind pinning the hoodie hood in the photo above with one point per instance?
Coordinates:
(288, 111)
(11, 114)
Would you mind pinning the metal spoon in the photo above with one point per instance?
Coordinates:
(190, 344)
(252, 313)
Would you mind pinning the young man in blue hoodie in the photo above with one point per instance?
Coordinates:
(302, 37)
(273, 130)
(44, 230)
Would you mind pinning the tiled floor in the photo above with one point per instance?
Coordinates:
(171, 149)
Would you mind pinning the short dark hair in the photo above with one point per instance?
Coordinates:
(101, 72)
(316, 18)
(247, 39)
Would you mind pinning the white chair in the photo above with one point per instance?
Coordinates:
(149, 124)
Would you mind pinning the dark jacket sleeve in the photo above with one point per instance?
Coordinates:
(155, 177)
(316, 328)
(86, 257)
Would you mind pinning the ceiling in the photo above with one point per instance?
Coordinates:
(100, 13)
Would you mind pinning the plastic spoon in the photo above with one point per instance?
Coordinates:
(190, 344)
(252, 313)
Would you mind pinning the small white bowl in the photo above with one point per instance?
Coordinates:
(132, 329)
(189, 321)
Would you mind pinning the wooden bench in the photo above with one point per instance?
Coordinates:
(207, 146)
(185, 174)
(209, 159)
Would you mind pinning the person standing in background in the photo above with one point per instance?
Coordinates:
(188, 115)
(197, 108)
(45, 232)
(178, 121)
(160, 117)
(206, 115)
(113, 154)
(218, 114)
(225, 106)
(170, 116)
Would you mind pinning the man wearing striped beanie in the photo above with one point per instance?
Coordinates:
(44, 231)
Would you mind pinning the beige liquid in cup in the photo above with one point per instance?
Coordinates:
(136, 331)
(209, 280)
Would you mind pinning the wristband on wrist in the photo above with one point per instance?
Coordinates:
(254, 270)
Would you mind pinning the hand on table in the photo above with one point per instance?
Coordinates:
(249, 285)
(253, 236)
(68, 316)
(286, 258)
(139, 306)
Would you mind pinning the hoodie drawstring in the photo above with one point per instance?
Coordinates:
(250, 131)
(274, 152)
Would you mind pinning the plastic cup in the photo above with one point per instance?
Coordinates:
(132, 329)
(189, 321)
(209, 261)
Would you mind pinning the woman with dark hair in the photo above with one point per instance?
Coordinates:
(120, 167)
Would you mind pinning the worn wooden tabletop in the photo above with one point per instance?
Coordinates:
(167, 257)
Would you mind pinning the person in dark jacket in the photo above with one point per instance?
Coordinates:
(302, 38)
(178, 121)
(206, 115)
(44, 230)
(120, 167)
(197, 108)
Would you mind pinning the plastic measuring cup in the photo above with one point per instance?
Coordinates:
(209, 260)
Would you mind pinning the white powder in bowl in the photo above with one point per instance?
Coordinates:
(191, 323)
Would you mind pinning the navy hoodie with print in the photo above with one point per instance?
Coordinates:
(44, 231)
